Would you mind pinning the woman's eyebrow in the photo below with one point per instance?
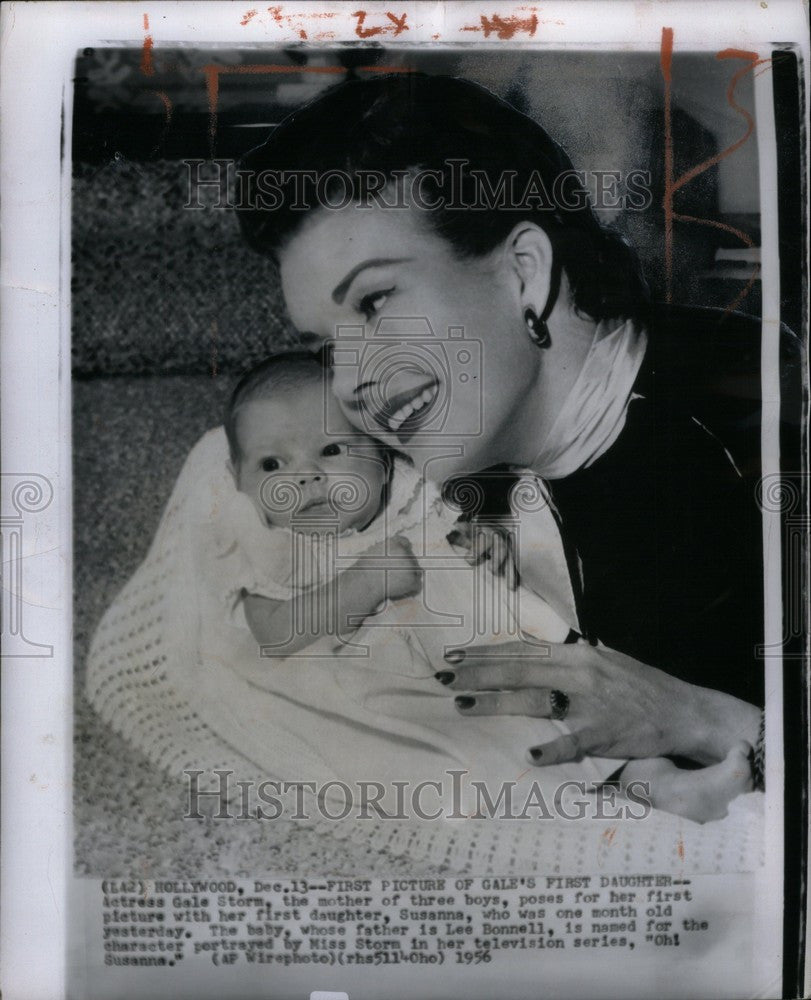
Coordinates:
(340, 290)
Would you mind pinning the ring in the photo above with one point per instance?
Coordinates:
(559, 703)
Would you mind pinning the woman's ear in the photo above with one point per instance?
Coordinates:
(529, 256)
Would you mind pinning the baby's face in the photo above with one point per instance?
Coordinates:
(298, 474)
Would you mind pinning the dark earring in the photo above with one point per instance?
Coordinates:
(538, 330)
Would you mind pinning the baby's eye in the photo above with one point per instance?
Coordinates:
(332, 449)
(269, 464)
(372, 303)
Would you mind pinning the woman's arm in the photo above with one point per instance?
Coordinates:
(617, 706)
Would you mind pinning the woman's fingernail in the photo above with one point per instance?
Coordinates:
(445, 676)
(465, 702)
(454, 656)
(535, 753)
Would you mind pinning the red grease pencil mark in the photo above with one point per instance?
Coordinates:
(504, 27)
(672, 185)
(147, 67)
(167, 106)
(292, 22)
(397, 27)
(666, 62)
(609, 834)
(680, 849)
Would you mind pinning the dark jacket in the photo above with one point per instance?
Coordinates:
(665, 527)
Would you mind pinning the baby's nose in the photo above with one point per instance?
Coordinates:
(315, 478)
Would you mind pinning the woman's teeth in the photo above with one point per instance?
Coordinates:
(412, 406)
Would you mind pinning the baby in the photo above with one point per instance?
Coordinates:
(311, 487)
(304, 467)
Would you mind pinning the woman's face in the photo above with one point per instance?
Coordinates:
(431, 354)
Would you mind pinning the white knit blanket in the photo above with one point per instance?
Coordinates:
(173, 674)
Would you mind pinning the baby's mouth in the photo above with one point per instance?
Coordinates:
(316, 503)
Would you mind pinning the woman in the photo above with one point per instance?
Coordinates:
(391, 201)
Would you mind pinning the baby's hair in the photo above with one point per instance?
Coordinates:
(275, 374)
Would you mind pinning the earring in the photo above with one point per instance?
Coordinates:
(538, 330)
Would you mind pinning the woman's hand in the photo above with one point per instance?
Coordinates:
(615, 706)
(487, 542)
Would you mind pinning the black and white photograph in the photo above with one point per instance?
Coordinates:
(430, 399)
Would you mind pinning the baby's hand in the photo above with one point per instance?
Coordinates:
(490, 542)
(406, 579)
(402, 580)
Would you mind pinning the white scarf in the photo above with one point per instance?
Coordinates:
(593, 414)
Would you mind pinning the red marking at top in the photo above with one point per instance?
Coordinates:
(397, 27)
(673, 184)
(504, 27)
(248, 16)
(147, 67)
(666, 63)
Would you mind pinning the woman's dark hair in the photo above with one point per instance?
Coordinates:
(479, 151)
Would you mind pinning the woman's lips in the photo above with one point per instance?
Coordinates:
(407, 410)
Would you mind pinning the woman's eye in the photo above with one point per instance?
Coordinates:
(332, 449)
(269, 465)
(372, 303)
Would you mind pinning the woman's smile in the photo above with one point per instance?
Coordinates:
(401, 412)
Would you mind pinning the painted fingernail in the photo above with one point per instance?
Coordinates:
(465, 702)
(445, 676)
(535, 753)
(454, 656)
